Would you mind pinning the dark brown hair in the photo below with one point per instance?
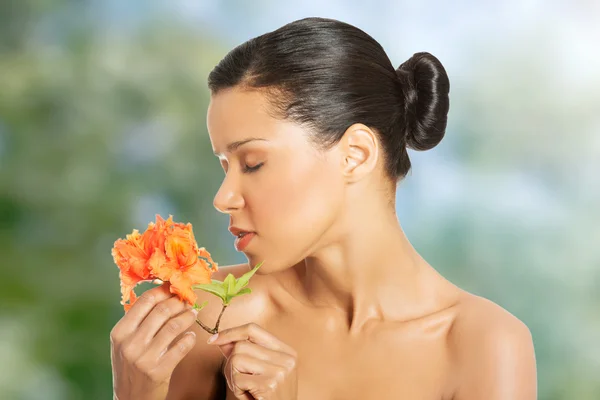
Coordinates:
(327, 75)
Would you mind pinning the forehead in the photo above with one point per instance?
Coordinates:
(233, 113)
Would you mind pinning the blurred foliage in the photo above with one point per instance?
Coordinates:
(99, 131)
(102, 125)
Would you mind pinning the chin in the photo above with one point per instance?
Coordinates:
(269, 265)
(253, 260)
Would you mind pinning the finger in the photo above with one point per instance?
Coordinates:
(240, 364)
(257, 351)
(240, 384)
(256, 386)
(169, 360)
(160, 314)
(255, 334)
(246, 364)
(169, 332)
(136, 314)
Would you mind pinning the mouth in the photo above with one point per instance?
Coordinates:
(235, 231)
(243, 239)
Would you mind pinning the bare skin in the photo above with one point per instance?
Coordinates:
(467, 349)
(345, 298)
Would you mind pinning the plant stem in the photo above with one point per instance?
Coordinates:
(219, 319)
(216, 328)
(206, 328)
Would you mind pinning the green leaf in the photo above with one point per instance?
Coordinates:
(232, 296)
(244, 291)
(229, 284)
(197, 307)
(231, 287)
(244, 279)
(215, 289)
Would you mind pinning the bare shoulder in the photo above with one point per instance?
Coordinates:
(198, 375)
(479, 319)
(493, 352)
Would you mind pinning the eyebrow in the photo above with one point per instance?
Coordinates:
(233, 146)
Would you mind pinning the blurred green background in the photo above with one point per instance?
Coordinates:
(102, 125)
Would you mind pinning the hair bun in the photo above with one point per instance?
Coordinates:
(425, 86)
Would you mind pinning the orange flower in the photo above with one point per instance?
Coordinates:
(167, 251)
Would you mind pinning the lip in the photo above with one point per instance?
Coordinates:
(241, 243)
(235, 231)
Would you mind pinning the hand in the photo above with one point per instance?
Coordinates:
(259, 366)
(143, 351)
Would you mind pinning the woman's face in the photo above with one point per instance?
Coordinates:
(277, 183)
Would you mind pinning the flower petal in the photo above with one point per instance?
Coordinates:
(202, 252)
(199, 273)
(179, 247)
(129, 254)
(160, 266)
(128, 283)
(182, 286)
(166, 250)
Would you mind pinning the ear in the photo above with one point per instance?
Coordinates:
(360, 151)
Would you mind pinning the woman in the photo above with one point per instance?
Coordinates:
(311, 123)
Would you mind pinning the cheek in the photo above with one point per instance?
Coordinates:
(297, 204)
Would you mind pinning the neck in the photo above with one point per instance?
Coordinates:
(368, 271)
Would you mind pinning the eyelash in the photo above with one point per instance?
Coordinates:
(250, 170)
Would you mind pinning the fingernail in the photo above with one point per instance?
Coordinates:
(212, 338)
(195, 311)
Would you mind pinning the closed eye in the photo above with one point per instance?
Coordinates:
(249, 170)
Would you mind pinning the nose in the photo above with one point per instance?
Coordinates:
(228, 197)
